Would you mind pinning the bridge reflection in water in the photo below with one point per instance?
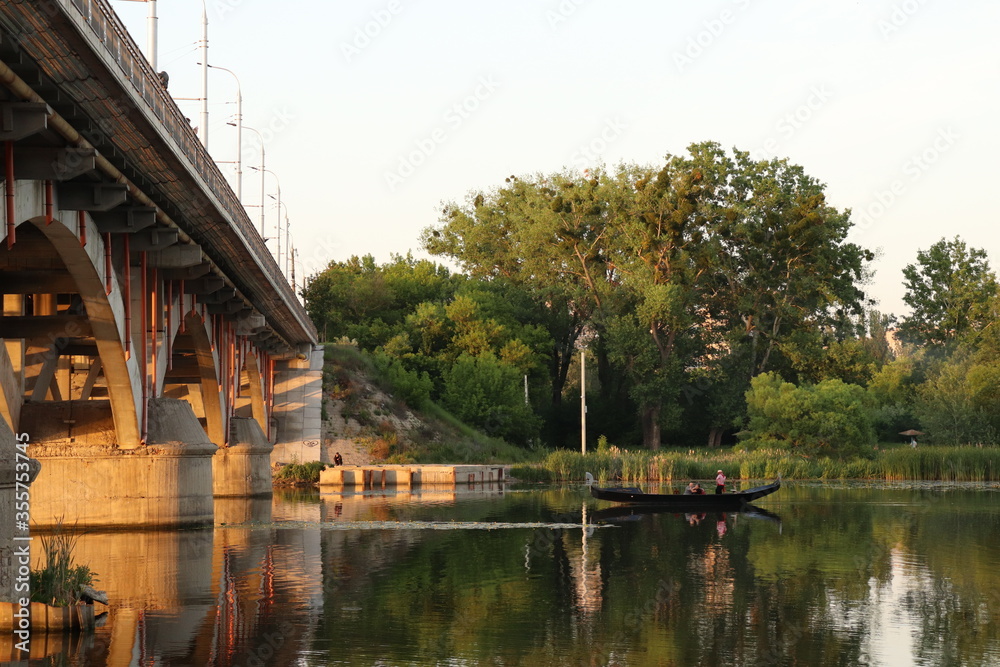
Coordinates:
(249, 590)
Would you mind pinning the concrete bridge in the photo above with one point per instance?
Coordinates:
(153, 353)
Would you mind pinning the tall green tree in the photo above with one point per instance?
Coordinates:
(544, 234)
(950, 290)
(669, 268)
(787, 273)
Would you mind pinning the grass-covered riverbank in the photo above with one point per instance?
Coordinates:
(973, 464)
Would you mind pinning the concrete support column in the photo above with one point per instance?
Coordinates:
(12, 366)
(298, 397)
(88, 481)
(244, 467)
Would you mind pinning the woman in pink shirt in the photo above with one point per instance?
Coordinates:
(720, 482)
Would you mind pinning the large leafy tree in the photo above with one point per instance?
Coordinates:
(690, 266)
(787, 274)
(543, 234)
(664, 254)
(950, 290)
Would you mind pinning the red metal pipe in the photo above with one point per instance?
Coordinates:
(49, 205)
(128, 298)
(180, 300)
(8, 161)
(154, 324)
(81, 225)
(108, 268)
(144, 350)
(170, 325)
(269, 385)
(232, 373)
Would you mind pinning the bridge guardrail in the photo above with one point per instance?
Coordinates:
(110, 32)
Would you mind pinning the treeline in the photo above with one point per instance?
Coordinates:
(716, 296)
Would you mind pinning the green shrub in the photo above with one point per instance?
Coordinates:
(412, 387)
(830, 418)
(300, 473)
(59, 582)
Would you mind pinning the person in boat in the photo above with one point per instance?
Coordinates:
(720, 482)
(694, 489)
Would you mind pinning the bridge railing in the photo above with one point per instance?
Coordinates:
(135, 68)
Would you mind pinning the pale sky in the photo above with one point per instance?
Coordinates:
(376, 112)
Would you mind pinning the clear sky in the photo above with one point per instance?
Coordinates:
(376, 112)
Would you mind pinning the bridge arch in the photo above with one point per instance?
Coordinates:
(250, 400)
(193, 375)
(96, 328)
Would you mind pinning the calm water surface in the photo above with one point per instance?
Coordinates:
(831, 574)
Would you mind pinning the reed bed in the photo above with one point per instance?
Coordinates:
(968, 463)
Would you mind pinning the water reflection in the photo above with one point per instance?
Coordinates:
(824, 575)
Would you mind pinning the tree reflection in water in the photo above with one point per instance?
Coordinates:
(846, 575)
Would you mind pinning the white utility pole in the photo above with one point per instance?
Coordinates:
(204, 74)
(583, 402)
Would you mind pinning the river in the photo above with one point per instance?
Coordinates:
(829, 574)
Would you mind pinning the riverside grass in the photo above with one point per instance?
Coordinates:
(937, 463)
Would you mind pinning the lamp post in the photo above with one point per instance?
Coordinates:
(278, 182)
(239, 134)
(204, 74)
(287, 247)
(261, 170)
(150, 32)
(583, 401)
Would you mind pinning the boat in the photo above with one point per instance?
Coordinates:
(680, 500)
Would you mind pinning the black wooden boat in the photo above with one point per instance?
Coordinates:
(684, 501)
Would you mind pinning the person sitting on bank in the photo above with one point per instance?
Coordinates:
(338, 460)
(720, 483)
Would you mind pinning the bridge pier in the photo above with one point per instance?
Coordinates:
(244, 467)
(86, 480)
(298, 407)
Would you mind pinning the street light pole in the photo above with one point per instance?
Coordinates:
(583, 401)
(261, 170)
(279, 220)
(204, 74)
(239, 133)
(150, 32)
(278, 226)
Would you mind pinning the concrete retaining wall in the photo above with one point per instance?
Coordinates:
(381, 477)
